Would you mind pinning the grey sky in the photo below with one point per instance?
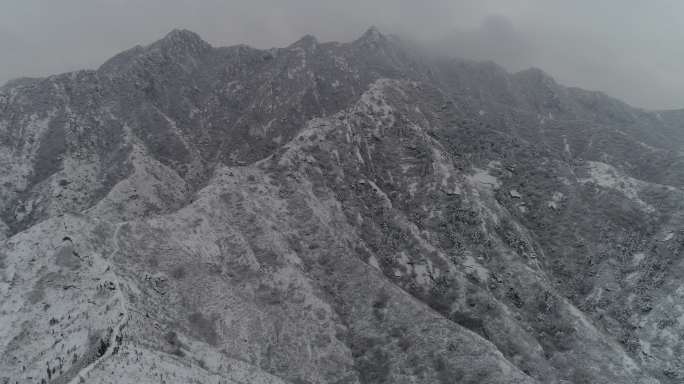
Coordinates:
(631, 49)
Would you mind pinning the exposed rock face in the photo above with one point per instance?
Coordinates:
(335, 213)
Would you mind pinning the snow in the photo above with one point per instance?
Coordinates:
(638, 257)
(515, 194)
(151, 184)
(65, 295)
(373, 261)
(482, 178)
(555, 201)
(374, 105)
(607, 176)
(473, 266)
(123, 317)
(383, 196)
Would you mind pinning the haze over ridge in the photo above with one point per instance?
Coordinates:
(628, 49)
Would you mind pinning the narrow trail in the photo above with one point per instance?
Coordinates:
(116, 331)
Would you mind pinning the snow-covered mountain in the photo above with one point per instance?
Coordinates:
(335, 213)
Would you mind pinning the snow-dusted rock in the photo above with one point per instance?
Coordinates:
(332, 212)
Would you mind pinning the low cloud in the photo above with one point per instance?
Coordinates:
(628, 48)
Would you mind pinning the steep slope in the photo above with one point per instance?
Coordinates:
(177, 107)
(334, 212)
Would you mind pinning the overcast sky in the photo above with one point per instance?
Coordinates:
(631, 49)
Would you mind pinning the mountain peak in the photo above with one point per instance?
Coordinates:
(373, 38)
(536, 75)
(307, 41)
(180, 34)
(372, 34)
(179, 44)
(182, 38)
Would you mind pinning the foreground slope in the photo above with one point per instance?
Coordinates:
(334, 213)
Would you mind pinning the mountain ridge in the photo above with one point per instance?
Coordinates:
(334, 212)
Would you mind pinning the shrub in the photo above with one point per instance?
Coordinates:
(204, 327)
(470, 322)
(445, 374)
(172, 339)
(442, 294)
(373, 367)
(178, 272)
(102, 348)
(379, 305)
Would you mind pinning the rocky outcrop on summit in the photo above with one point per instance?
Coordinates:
(334, 213)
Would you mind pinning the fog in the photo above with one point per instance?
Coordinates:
(627, 48)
